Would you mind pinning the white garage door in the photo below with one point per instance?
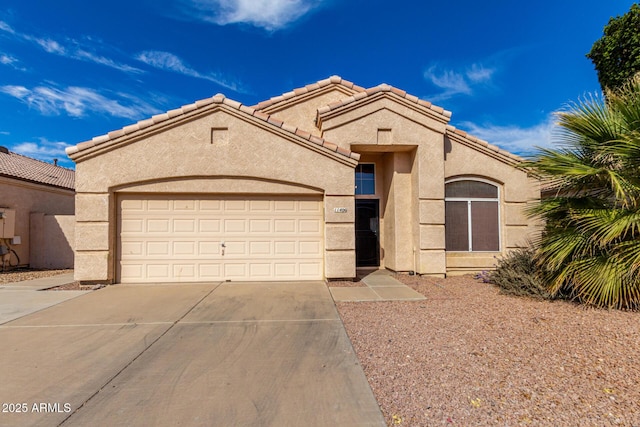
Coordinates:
(166, 238)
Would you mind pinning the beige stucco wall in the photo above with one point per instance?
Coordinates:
(26, 198)
(302, 113)
(406, 144)
(185, 158)
(51, 240)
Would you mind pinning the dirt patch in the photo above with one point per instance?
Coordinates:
(469, 355)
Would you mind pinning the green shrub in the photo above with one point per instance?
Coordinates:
(518, 274)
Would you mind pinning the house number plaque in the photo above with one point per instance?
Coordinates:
(340, 210)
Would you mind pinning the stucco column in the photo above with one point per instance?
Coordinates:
(92, 255)
(340, 242)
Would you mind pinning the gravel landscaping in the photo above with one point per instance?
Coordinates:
(20, 274)
(470, 356)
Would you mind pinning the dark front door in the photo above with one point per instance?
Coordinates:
(367, 233)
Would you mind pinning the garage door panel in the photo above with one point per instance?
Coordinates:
(235, 226)
(133, 248)
(132, 226)
(260, 226)
(159, 205)
(285, 225)
(158, 248)
(157, 226)
(309, 226)
(157, 271)
(184, 225)
(310, 270)
(179, 238)
(260, 248)
(209, 225)
(310, 248)
(184, 248)
(209, 248)
(210, 271)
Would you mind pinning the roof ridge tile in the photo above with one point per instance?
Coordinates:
(383, 87)
(307, 89)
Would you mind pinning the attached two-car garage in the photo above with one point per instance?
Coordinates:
(196, 238)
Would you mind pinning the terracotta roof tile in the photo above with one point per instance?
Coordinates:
(316, 140)
(303, 134)
(25, 168)
(232, 103)
(331, 146)
(275, 121)
(204, 103)
(509, 157)
(289, 128)
(363, 93)
(261, 115)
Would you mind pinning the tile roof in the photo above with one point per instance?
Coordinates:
(201, 105)
(471, 140)
(24, 168)
(301, 91)
(381, 89)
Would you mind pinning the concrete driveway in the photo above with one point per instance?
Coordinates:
(241, 354)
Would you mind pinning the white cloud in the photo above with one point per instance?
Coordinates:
(455, 83)
(69, 49)
(477, 73)
(516, 139)
(49, 45)
(271, 15)
(6, 59)
(92, 57)
(6, 27)
(170, 62)
(77, 102)
(10, 61)
(44, 150)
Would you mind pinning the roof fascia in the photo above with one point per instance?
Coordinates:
(162, 122)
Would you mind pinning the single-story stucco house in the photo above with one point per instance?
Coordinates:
(307, 185)
(36, 212)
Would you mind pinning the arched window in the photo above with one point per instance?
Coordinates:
(472, 218)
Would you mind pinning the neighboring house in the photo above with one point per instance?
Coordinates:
(307, 185)
(37, 205)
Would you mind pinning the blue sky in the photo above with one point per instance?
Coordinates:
(71, 70)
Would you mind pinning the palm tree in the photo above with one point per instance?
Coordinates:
(591, 244)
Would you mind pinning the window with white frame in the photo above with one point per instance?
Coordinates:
(365, 179)
(472, 216)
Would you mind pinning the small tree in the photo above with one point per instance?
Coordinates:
(616, 56)
(591, 245)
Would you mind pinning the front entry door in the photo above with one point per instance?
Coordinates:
(367, 233)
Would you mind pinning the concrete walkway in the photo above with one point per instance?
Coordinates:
(381, 286)
(219, 354)
(18, 299)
